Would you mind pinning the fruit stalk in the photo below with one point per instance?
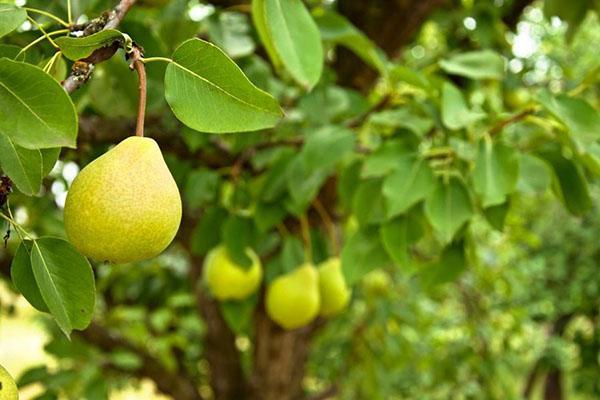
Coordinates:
(138, 65)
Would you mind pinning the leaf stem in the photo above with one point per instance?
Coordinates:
(36, 41)
(51, 62)
(69, 12)
(52, 42)
(154, 59)
(16, 225)
(306, 238)
(47, 14)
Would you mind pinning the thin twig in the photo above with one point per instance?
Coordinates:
(329, 225)
(305, 228)
(496, 129)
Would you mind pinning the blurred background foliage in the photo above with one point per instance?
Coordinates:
(519, 320)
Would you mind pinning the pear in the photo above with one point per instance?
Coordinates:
(335, 294)
(377, 283)
(8, 387)
(227, 280)
(293, 299)
(124, 206)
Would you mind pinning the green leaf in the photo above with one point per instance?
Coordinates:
(448, 207)
(455, 112)
(581, 119)
(362, 253)
(41, 113)
(11, 17)
(238, 233)
(535, 176)
(66, 282)
(569, 181)
(77, 48)
(22, 276)
(303, 185)
(49, 158)
(451, 264)
(291, 37)
(402, 118)
(238, 314)
(385, 159)
(496, 215)
(496, 172)
(335, 28)
(326, 147)
(481, 64)
(205, 236)
(208, 92)
(11, 51)
(411, 182)
(397, 235)
(200, 188)
(368, 203)
(231, 32)
(22, 165)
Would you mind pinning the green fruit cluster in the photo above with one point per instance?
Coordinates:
(293, 300)
(8, 387)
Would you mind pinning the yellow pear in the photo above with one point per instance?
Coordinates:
(293, 299)
(227, 280)
(8, 387)
(377, 282)
(124, 206)
(335, 294)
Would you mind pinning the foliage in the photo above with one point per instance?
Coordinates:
(453, 171)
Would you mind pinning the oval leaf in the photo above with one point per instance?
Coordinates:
(22, 165)
(496, 172)
(287, 28)
(35, 111)
(208, 92)
(410, 183)
(448, 208)
(75, 48)
(21, 273)
(66, 282)
(483, 64)
(11, 17)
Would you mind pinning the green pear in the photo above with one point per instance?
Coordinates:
(124, 206)
(228, 280)
(335, 294)
(377, 283)
(293, 299)
(8, 387)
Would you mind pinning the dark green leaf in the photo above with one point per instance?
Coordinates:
(238, 233)
(205, 236)
(362, 253)
(22, 276)
(448, 207)
(368, 203)
(410, 183)
(397, 235)
(11, 17)
(496, 172)
(451, 264)
(75, 48)
(22, 165)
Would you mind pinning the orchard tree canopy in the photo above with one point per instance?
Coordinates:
(303, 199)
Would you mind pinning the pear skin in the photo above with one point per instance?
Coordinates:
(8, 387)
(227, 280)
(335, 294)
(124, 206)
(293, 299)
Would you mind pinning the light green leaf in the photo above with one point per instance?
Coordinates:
(22, 165)
(385, 159)
(448, 207)
(77, 48)
(335, 28)
(231, 32)
(327, 146)
(208, 92)
(22, 276)
(41, 113)
(303, 184)
(496, 172)
(238, 314)
(362, 253)
(404, 117)
(66, 282)
(569, 183)
(11, 17)
(482, 64)
(410, 183)
(49, 158)
(535, 176)
(582, 120)
(200, 188)
(368, 203)
(289, 32)
(397, 235)
(455, 111)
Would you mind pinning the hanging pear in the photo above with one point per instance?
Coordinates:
(335, 294)
(8, 387)
(124, 206)
(227, 280)
(293, 299)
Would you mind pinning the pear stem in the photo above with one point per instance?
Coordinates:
(138, 65)
(305, 229)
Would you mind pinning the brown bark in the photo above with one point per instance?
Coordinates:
(391, 24)
(279, 359)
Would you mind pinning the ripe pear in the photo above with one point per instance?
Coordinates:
(335, 293)
(293, 299)
(377, 283)
(124, 206)
(228, 280)
(8, 387)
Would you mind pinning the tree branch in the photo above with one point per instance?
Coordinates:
(82, 69)
(178, 385)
